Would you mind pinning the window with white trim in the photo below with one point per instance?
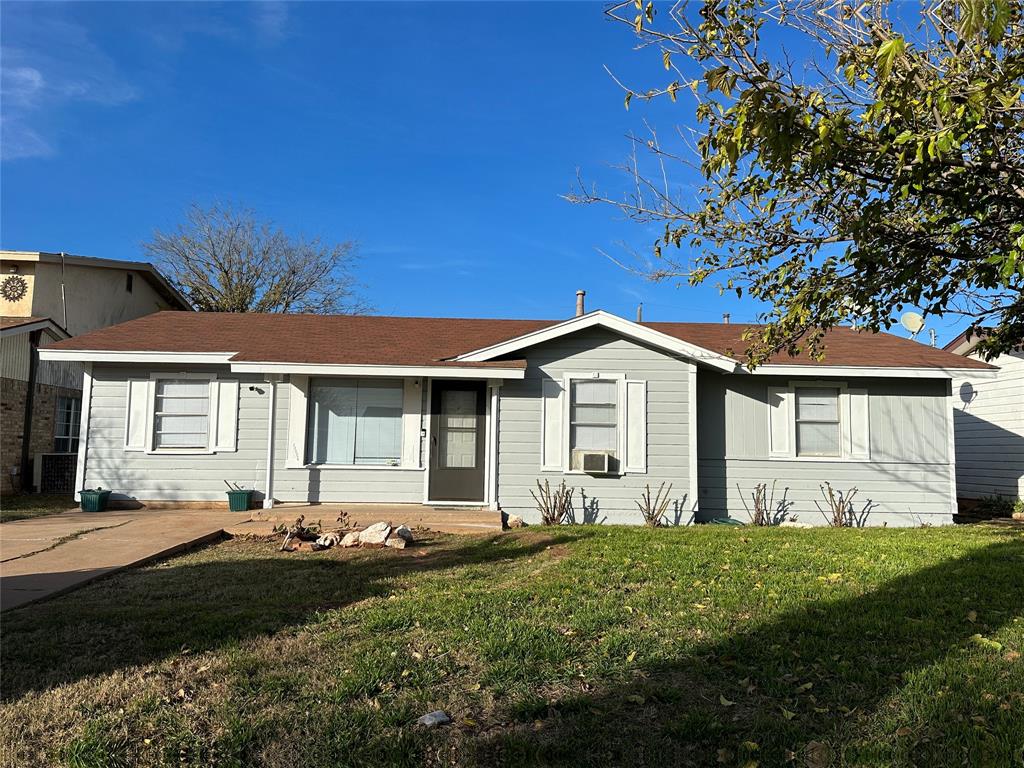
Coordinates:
(355, 421)
(181, 414)
(67, 424)
(593, 419)
(818, 424)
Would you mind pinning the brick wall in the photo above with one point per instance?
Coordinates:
(12, 416)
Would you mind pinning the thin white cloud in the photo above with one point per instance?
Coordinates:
(51, 63)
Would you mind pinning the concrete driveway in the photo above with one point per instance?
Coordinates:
(45, 556)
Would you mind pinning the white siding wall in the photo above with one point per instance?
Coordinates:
(607, 499)
(989, 419)
(905, 482)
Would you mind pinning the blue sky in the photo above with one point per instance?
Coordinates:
(440, 136)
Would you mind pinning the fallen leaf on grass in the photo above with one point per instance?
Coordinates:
(724, 701)
(636, 698)
(986, 642)
(972, 616)
(787, 714)
(904, 731)
(632, 655)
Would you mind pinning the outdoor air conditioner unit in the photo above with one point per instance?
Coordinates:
(596, 462)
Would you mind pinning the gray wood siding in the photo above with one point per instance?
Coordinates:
(607, 499)
(905, 482)
(200, 477)
(989, 423)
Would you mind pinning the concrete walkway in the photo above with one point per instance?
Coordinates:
(46, 556)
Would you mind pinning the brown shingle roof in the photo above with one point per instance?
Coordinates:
(375, 340)
(843, 347)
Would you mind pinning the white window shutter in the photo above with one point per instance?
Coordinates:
(858, 430)
(298, 387)
(226, 425)
(636, 426)
(136, 418)
(551, 424)
(780, 417)
(412, 405)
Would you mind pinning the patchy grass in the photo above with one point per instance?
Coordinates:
(25, 505)
(569, 646)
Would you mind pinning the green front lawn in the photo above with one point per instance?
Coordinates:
(575, 646)
(25, 505)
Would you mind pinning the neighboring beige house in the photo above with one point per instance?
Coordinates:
(989, 424)
(46, 297)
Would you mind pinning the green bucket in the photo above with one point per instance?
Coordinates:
(93, 499)
(240, 500)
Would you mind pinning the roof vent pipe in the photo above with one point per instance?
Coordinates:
(580, 311)
(640, 312)
(725, 318)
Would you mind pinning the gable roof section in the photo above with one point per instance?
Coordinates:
(645, 333)
(11, 326)
(283, 342)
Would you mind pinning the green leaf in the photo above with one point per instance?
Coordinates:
(886, 56)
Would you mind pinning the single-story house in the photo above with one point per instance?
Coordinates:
(989, 424)
(446, 411)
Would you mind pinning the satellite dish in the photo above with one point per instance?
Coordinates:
(913, 322)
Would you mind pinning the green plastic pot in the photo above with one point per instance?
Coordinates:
(94, 499)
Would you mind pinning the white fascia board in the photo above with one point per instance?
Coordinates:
(867, 371)
(600, 318)
(433, 371)
(106, 356)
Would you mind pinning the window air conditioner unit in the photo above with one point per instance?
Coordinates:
(596, 462)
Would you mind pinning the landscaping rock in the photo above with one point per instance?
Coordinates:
(351, 539)
(515, 521)
(402, 532)
(375, 535)
(396, 542)
(434, 719)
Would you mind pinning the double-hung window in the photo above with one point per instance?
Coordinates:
(67, 424)
(818, 430)
(593, 420)
(355, 421)
(181, 414)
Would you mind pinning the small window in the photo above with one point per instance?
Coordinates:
(355, 421)
(817, 421)
(68, 423)
(129, 279)
(181, 417)
(593, 420)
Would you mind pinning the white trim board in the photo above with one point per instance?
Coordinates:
(106, 356)
(878, 371)
(602, 319)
